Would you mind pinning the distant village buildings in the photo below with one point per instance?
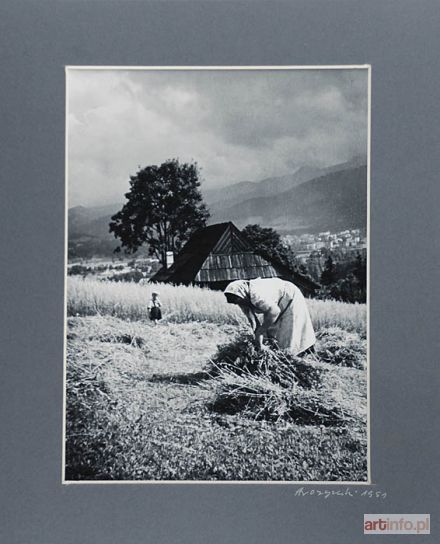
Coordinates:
(346, 241)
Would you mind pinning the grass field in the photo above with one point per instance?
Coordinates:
(183, 304)
(141, 406)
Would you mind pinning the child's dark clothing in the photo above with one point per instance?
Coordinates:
(154, 309)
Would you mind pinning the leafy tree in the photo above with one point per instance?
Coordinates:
(164, 207)
(267, 243)
(314, 265)
(360, 271)
(328, 275)
(303, 269)
(345, 280)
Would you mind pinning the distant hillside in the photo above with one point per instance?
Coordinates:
(218, 199)
(88, 231)
(335, 201)
(236, 191)
(92, 220)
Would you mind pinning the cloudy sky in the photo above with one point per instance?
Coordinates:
(237, 125)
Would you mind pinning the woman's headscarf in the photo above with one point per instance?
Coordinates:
(240, 288)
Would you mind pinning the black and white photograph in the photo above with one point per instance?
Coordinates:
(217, 272)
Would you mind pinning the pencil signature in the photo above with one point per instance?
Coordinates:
(347, 492)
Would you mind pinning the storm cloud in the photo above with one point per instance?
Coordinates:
(238, 125)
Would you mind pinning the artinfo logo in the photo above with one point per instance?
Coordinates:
(396, 524)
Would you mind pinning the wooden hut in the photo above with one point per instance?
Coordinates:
(216, 255)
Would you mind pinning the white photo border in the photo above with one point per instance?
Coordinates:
(70, 68)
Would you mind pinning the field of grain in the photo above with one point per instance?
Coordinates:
(183, 304)
(143, 402)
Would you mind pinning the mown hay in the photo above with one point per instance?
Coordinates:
(337, 346)
(273, 384)
(241, 357)
(140, 413)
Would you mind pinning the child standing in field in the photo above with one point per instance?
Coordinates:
(154, 307)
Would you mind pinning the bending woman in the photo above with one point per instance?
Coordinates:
(285, 317)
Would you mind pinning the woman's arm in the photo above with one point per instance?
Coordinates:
(269, 318)
(251, 317)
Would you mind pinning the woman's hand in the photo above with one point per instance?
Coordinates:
(259, 335)
(269, 318)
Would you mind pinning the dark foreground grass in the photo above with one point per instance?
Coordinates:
(139, 407)
(157, 446)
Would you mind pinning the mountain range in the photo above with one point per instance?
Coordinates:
(334, 201)
(88, 232)
(308, 200)
(274, 185)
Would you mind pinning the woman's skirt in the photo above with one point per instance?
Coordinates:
(293, 330)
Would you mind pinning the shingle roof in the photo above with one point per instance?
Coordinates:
(236, 266)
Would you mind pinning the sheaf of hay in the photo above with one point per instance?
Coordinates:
(274, 384)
